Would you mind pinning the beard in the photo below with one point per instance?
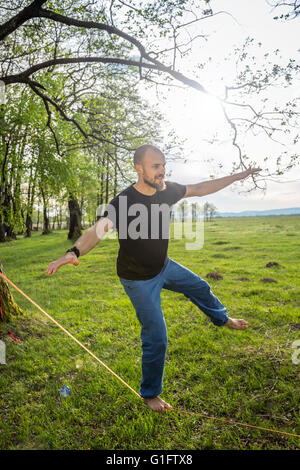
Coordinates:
(157, 184)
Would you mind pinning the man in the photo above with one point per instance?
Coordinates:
(143, 265)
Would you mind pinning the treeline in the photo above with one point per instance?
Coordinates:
(193, 210)
(53, 175)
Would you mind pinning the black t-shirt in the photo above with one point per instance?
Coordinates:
(143, 224)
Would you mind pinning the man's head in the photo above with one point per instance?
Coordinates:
(149, 163)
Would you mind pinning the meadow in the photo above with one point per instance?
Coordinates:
(246, 376)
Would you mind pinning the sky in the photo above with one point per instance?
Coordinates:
(196, 119)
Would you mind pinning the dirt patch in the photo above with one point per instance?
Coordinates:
(267, 279)
(294, 325)
(215, 276)
(228, 248)
(271, 264)
(242, 279)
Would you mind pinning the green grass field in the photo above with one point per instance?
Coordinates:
(247, 376)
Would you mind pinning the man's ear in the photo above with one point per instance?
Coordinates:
(138, 168)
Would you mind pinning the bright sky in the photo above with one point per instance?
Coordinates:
(197, 119)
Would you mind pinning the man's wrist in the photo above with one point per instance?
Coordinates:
(75, 250)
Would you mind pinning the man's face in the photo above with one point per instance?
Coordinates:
(152, 170)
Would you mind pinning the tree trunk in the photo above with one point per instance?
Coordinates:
(75, 219)
(2, 232)
(3, 177)
(30, 202)
(46, 227)
(101, 188)
(107, 181)
(38, 219)
(54, 221)
(6, 211)
(28, 225)
(115, 174)
(10, 234)
(99, 174)
(60, 218)
(8, 304)
(102, 181)
(81, 212)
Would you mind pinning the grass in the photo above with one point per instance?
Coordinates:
(247, 376)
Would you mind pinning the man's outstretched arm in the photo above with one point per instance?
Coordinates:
(84, 244)
(212, 186)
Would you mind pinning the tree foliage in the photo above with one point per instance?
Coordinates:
(82, 40)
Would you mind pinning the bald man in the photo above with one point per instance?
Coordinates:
(143, 265)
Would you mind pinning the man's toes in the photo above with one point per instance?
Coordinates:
(168, 406)
(165, 404)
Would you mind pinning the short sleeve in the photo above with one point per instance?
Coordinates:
(175, 192)
(110, 211)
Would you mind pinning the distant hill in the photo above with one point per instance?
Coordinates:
(290, 211)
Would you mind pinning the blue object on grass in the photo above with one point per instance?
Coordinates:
(65, 391)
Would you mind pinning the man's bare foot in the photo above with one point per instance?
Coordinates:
(236, 324)
(157, 404)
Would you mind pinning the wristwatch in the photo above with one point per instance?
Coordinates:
(75, 250)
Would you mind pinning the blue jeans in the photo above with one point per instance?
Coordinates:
(145, 297)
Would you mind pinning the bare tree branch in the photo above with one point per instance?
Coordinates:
(47, 100)
(293, 5)
(234, 141)
(23, 76)
(42, 13)
(24, 15)
(208, 16)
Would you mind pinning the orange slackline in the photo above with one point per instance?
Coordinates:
(128, 386)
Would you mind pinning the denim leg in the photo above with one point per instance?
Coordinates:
(145, 297)
(177, 278)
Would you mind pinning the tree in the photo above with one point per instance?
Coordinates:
(47, 165)
(291, 9)
(212, 211)
(209, 210)
(206, 207)
(8, 304)
(195, 211)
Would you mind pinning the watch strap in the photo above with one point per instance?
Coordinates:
(75, 250)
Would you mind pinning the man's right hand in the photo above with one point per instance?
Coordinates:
(66, 259)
